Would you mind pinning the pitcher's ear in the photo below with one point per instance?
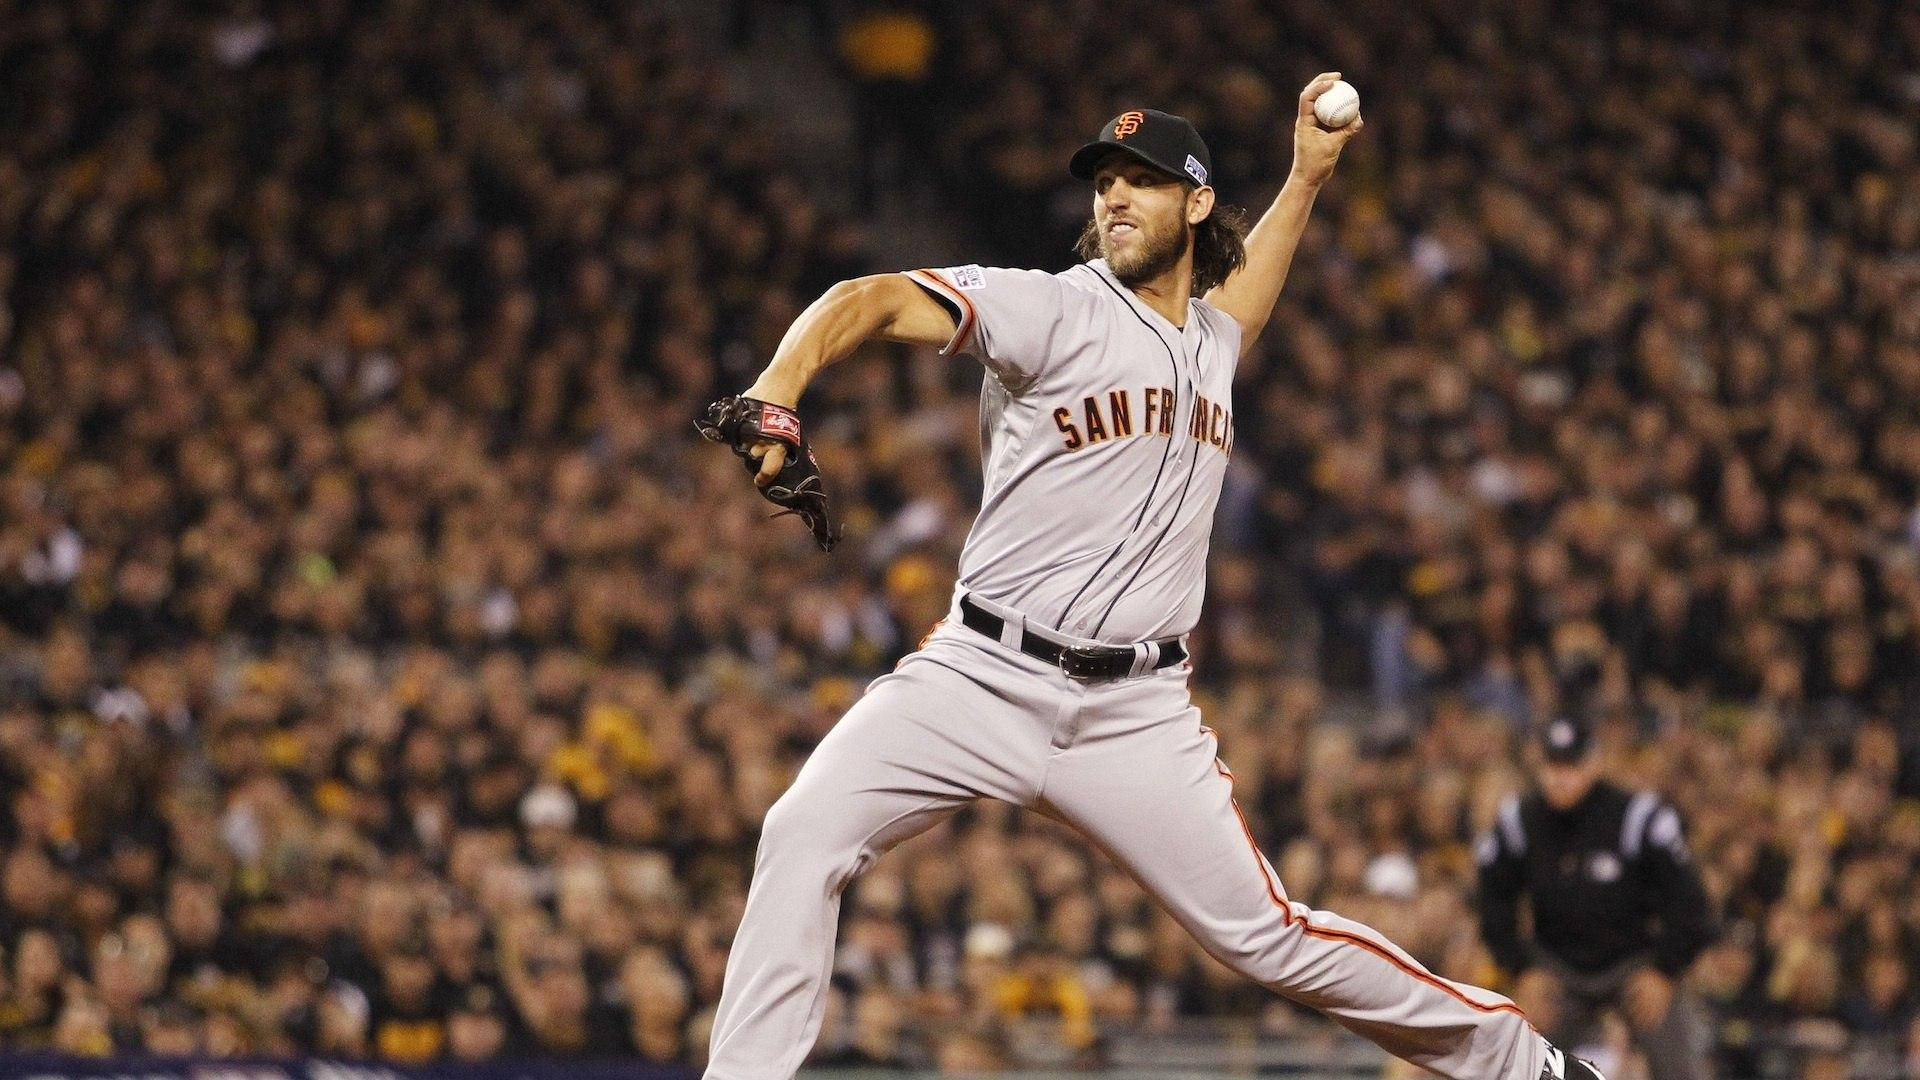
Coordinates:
(1199, 205)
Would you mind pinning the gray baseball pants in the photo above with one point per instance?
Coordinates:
(1125, 762)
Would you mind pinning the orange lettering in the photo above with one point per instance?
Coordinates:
(1128, 123)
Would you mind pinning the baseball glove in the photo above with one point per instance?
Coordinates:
(741, 422)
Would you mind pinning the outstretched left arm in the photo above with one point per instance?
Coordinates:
(1249, 293)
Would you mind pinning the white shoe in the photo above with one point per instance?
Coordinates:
(1564, 1066)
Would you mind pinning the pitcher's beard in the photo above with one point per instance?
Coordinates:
(1155, 255)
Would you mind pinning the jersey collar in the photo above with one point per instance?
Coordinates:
(1100, 267)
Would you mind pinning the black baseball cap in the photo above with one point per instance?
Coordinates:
(1165, 141)
(1565, 741)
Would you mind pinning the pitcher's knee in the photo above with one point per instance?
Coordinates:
(1257, 950)
(806, 835)
(793, 821)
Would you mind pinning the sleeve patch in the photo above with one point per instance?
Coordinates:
(969, 277)
(957, 305)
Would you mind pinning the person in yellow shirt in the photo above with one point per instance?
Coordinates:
(888, 51)
(1042, 981)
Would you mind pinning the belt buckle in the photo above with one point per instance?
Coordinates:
(1071, 657)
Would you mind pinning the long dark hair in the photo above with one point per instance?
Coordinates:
(1219, 246)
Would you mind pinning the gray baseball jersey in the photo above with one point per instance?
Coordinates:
(1106, 431)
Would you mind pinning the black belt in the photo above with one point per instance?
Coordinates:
(1085, 662)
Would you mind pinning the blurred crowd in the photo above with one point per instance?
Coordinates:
(386, 670)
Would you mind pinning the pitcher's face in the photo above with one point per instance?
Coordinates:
(1142, 217)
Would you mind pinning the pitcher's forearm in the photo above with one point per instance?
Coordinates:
(832, 327)
(1249, 295)
(1271, 244)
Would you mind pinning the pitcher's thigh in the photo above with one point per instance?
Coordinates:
(1161, 805)
(921, 742)
(1164, 808)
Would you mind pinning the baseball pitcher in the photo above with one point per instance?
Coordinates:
(1058, 682)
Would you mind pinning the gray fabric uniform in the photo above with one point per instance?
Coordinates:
(1099, 496)
(1106, 431)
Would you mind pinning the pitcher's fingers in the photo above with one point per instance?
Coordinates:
(773, 458)
(1321, 84)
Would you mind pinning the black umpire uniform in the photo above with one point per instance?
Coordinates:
(1612, 889)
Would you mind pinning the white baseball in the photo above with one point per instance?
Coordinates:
(1338, 106)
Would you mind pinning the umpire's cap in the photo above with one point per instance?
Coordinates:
(1565, 741)
(1162, 140)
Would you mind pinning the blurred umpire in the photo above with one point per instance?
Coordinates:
(1618, 909)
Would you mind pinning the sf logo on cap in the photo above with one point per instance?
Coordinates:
(1128, 124)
